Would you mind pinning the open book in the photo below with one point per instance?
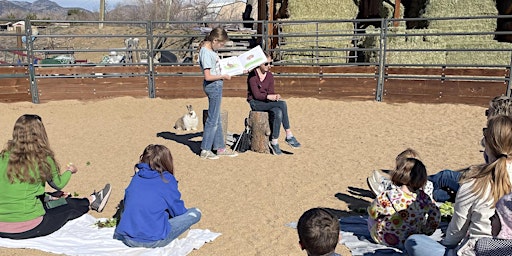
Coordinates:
(248, 60)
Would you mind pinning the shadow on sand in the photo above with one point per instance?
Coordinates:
(185, 139)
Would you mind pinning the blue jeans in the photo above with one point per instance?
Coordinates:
(445, 179)
(423, 245)
(179, 225)
(278, 113)
(213, 137)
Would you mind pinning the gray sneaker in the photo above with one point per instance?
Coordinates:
(101, 198)
(274, 149)
(207, 154)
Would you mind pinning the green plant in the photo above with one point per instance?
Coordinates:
(88, 163)
(446, 211)
(107, 223)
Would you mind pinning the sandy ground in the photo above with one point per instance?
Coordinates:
(251, 198)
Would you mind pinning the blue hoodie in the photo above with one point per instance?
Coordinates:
(149, 202)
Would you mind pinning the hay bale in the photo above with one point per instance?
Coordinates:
(316, 42)
(322, 10)
(479, 57)
(416, 57)
(461, 8)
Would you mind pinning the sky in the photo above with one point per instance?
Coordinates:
(91, 5)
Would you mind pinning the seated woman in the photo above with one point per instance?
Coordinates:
(261, 97)
(481, 187)
(405, 209)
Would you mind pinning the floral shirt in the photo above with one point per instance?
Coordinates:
(395, 215)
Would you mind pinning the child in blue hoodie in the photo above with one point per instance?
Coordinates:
(154, 213)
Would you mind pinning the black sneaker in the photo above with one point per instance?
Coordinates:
(101, 198)
(274, 149)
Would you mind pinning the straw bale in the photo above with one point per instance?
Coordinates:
(322, 10)
(479, 57)
(461, 8)
(416, 57)
(330, 47)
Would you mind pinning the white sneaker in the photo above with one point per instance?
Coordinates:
(378, 182)
(207, 154)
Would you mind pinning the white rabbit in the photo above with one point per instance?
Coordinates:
(188, 121)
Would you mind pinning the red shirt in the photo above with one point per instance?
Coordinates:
(257, 89)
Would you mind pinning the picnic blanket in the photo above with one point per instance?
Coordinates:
(355, 236)
(81, 237)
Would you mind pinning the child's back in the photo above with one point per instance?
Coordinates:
(395, 215)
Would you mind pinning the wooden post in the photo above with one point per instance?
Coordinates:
(260, 129)
(397, 13)
(223, 118)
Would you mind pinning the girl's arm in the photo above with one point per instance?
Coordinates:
(175, 205)
(459, 225)
(58, 181)
(209, 77)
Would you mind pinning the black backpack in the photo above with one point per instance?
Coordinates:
(243, 143)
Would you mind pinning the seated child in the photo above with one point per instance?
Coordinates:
(154, 214)
(405, 209)
(319, 232)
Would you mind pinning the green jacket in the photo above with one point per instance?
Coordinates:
(19, 201)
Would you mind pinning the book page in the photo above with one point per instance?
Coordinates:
(231, 66)
(252, 58)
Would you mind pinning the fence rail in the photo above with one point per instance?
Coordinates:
(454, 60)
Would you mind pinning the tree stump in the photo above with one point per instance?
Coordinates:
(223, 118)
(260, 129)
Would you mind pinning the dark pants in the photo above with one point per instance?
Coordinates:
(446, 185)
(54, 219)
(278, 113)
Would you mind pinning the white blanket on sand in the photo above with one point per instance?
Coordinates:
(82, 237)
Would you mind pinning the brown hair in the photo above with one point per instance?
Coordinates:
(409, 170)
(498, 142)
(159, 158)
(29, 151)
(217, 33)
(499, 105)
(318, 231)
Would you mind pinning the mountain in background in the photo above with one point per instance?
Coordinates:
(43, 9)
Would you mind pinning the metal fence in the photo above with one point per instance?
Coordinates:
(465, 43)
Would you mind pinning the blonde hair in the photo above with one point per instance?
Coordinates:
(217, 33)
(498, 142)
(28, 151)
(409, 170)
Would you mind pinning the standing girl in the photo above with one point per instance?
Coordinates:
(405, 209)
(213, 137)
(154, 213)
(27, 163)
